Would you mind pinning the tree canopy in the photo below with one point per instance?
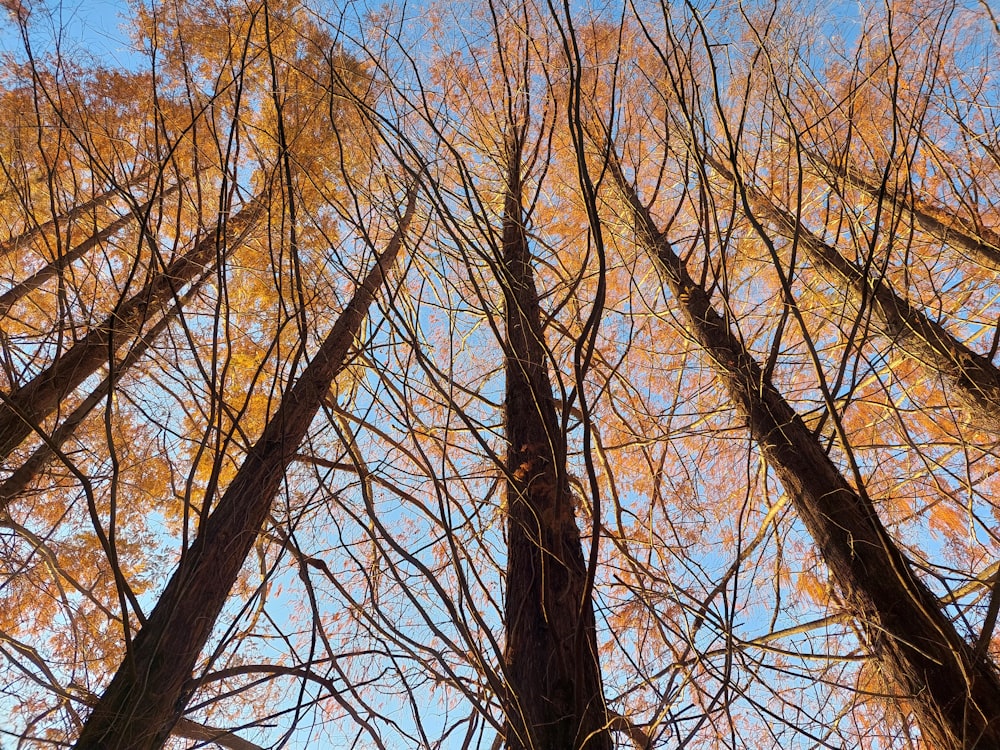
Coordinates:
(501, 374)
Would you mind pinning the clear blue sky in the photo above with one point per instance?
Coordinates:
(78, 28)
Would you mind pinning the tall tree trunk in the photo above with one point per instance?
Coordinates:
(953, 692)
(148, 694)
(28, 235)
(24, 475)
(981, 242)
(57, 266)
(23, 409)
(555, 695)
(974, 379)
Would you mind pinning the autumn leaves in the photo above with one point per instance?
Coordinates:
(646, 332)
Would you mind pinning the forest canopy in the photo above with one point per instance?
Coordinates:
(500, 374)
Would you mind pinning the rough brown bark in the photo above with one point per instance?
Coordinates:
(26, 407)
(148, 694)
(953, 693)
(975, 381)
(33, 282)
(555, 696)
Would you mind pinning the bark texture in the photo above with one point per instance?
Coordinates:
(148, 694)
(953, 693)
(555, 695)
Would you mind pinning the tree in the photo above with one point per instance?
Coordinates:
(150, 689)
(955, 694)
(551, 647)
(664, 413)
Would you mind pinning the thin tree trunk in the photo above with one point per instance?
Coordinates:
(148, 694)
(555, 695)
(974, 379)
(28, 235)
(33, 282)
(192, 730)
(24, 475)
(23, 410)
(982, 243)
(953, 692)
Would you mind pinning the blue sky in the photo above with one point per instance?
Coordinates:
(95, 28)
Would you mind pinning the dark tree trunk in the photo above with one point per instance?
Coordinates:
(148, 694)
(23, 410)
(555, 696)
(29, 235)
(33, 282)
(973, 378)
(24, 475)
(953, 692)
(982, 243)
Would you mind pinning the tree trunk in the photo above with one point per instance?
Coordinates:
(981, 242)
(974, 379)
(555, 696)
(28, 235)
(953, 692)
(33, 282)
(24, 474)
(148, 694)
(23, 410)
